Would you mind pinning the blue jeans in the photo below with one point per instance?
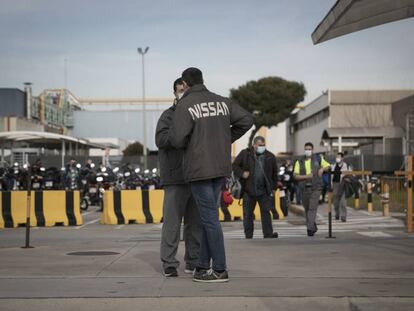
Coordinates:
(207, 196)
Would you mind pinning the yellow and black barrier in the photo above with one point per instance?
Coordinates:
(47, 208)
(132, 206)
(236, 209)
(146, 206)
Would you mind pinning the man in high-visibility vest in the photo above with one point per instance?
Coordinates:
(308, 172)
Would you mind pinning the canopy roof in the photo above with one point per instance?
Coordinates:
(49, 138)
(348, 16)
(361, 132)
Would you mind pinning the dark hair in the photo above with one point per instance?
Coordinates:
(309, 144)
(259, 138)
(341, 154)
(192, 76)
(177, 82)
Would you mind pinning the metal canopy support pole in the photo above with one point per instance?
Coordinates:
(11, 154)
(63, 153)
(2, 155)
(340, 144)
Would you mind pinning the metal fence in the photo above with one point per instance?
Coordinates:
(397, 194)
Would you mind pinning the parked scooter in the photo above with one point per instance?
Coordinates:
(285, 180)
(6, 179)
(151, 180)
(36, 178)
(20, 177)
(128, 178)
(51, 179)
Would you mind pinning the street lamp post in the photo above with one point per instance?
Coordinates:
(144, 119)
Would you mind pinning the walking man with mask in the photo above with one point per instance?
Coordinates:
(205, 125)
(339, 202)
(257, 168)
(308, 172)
(178, 201)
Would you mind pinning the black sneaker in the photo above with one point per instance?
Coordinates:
(274, 235)
(336, 217)
(210, 276)
(343, 219)
(170, 272)
(311, 233)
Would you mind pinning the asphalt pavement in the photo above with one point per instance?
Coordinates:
(369, 265)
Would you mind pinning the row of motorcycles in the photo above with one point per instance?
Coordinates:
(91, 181)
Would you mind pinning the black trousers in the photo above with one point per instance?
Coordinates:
(265, 204)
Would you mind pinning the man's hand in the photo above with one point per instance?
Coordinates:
(245, 174)
(320, 172)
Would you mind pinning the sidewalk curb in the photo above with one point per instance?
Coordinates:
(297, 209)
(300, 211)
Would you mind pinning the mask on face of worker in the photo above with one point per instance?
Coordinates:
(338, 160)
(180, 95)
(261, 149)
(308, 153)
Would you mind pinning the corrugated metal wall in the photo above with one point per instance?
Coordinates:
(12, 102)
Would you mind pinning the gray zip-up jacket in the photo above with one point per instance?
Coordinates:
(170, 158)
(205, 125)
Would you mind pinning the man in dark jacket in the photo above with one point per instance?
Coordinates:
(257, 169)
(206, 125)
(178, 201)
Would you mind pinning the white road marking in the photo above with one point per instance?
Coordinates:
(87, 213)
(375, 234)
(87, 223)
(120, 226)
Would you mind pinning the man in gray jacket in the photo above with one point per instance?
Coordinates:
(178, 201)
(205, 125)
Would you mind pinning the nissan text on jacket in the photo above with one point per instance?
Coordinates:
(205, 125)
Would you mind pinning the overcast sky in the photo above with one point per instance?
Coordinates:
(232, 42)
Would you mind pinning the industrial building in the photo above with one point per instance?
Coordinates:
(37, 126)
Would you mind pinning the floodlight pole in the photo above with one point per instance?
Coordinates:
(144, 119)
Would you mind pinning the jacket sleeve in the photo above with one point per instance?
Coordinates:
(275, 173)
(240, 120)
(181, 127)
(162, 139)
(238, 164)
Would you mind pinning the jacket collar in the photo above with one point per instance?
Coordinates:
(195, 89)
(253, 152)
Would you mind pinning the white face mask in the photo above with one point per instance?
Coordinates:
(308, 153)
(180, 95)
(261, 149)
(338, 160)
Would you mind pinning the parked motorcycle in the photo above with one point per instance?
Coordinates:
(36, 178)
(20, 177)
(151, 180)
(6, 181)
(285, 180)
(51, 179)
